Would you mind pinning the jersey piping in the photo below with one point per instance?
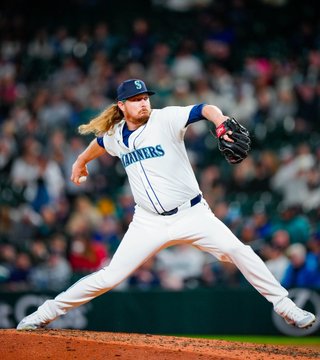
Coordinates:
(146, 177)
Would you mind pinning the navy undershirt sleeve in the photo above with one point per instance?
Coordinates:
(125, 134)
(195, 114)
(100, 141)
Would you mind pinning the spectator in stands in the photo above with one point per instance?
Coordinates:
(109, 233)
(314, 245)
(294, 222)
(25, 168)
(49, 183)
(303, 270)
(146, 277)
(308, 107)
(262, 222)
(84, 217)
(185, 65)
(9, 91)
(274, 254)
(8, 256)
(243, 105)
(18, 279)
(8, 147)
(181, 94)
(285, 105)
(87, 255)
(54, 274)
(38, 251)
(141, 41)
(290, 179)
(180, 266)
(249, 235)
(103, 41)
(312, 189)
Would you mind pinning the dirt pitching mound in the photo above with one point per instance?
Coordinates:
(78, 345)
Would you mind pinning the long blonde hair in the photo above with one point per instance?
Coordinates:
(104, 122)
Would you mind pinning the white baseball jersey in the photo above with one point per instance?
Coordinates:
(156, 161)
(162, 179)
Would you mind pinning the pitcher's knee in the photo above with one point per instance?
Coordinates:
(233, 248)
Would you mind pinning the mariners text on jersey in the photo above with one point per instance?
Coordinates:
(141, 154)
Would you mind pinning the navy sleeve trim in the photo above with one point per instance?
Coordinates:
(195, 114)
(100, 141)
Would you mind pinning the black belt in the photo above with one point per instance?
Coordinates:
(192, 202)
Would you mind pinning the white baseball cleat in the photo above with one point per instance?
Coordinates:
(295, 316)
(31, 322)
(299, 318)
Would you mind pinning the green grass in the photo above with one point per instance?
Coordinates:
(273, 340)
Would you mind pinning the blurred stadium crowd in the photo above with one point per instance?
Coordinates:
(259, 61)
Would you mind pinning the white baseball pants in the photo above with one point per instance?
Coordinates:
(147, 234)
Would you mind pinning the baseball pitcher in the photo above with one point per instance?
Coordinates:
(170, 208)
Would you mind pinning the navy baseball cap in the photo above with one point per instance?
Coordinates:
(131, 88)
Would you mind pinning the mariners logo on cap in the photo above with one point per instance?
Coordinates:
(138, 84)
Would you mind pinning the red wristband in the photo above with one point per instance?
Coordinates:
(221, 130)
